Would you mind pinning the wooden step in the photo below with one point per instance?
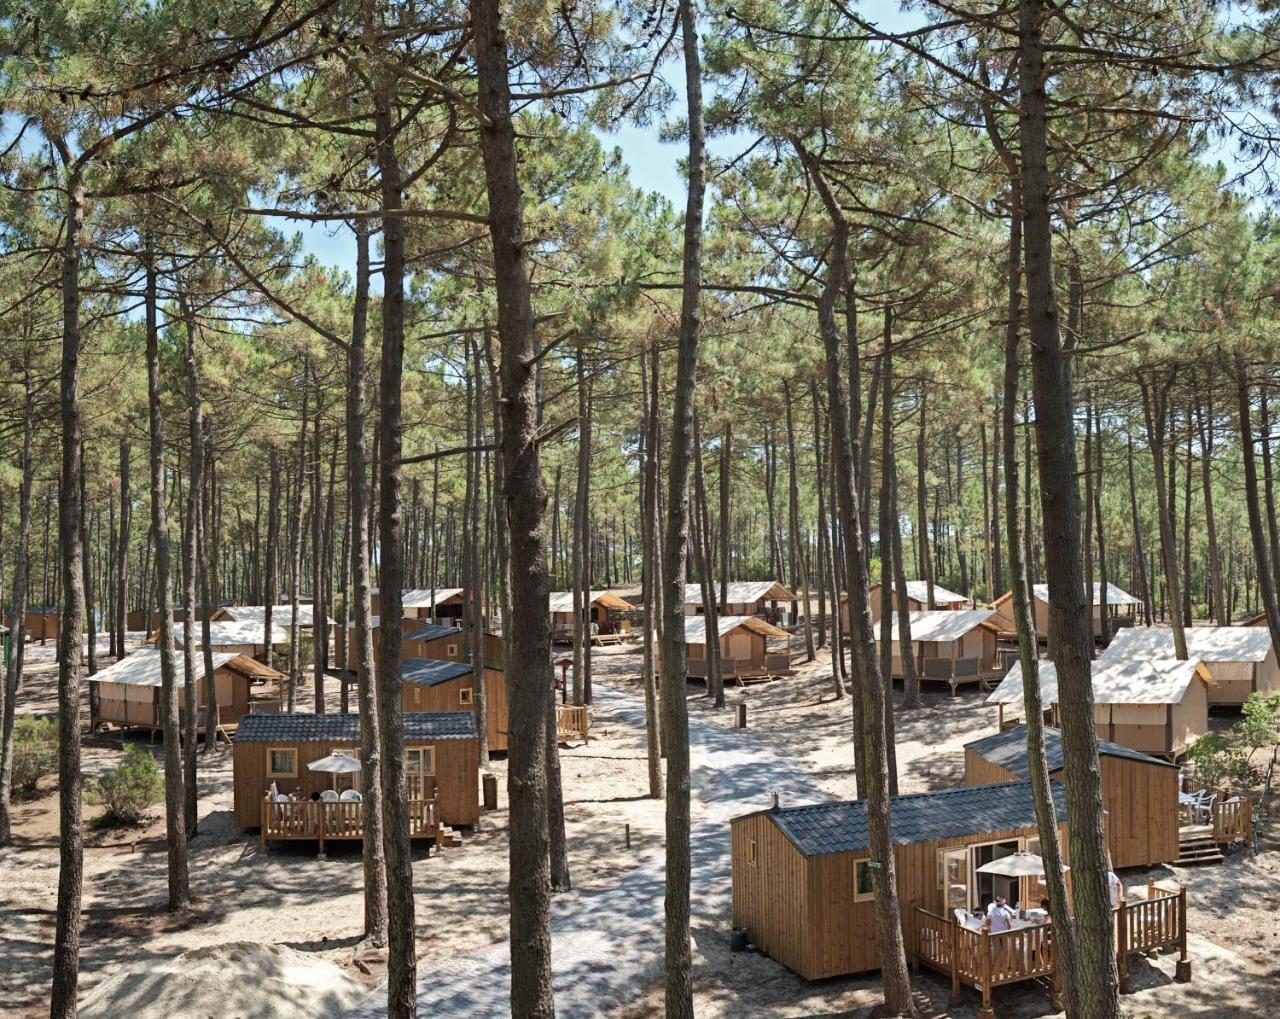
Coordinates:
(448, 838)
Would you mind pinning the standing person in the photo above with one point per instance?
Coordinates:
(999, 916)
(1116, 888)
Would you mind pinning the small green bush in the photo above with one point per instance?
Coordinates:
(128, 789)
(35, 753)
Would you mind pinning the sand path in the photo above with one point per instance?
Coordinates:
(607, 944)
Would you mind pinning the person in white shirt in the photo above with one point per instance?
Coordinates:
(999, 916)
(1116, 887)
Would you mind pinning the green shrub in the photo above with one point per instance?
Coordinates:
(128, 789)
(35, 753)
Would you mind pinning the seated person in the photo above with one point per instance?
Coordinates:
(999, 916)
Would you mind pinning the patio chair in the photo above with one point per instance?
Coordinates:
(960, 915)
(1204, 809)
(329, 796)
(351, 794)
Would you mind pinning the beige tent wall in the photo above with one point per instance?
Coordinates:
(1142, 727)
(1268, 674)
(1190, 718)
(1233, 681)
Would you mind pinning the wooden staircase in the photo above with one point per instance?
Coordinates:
(447, 838)
(1196, 845)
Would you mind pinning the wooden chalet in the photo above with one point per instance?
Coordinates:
(435, 640)
(438, 603)
(441, 763)
(129, 691)
(1239, 659)
(744, 648)
(745, 598)
(917, 596)
(1139, 792)
(948, 646)
(1121, 609)
(603, 608)
(803, 880)
(37, 623)
(1156, 706)
(804, 890)
(433, 685)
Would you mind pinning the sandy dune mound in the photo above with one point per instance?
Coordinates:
(240, 979)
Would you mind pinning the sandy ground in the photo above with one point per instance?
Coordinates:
(291, 898)
(287, 897)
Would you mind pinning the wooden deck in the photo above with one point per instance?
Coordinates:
(324, 821)
(983, 961)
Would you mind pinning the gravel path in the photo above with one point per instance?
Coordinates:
(607, 944)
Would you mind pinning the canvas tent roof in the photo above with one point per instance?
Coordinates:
(1009, 750)
(301, 728)
(918, 590)
(942, 625)
(425, 597)
(695, 627)
(142, 668)
(1115, 595)
(225, 631)
(743, 592)
(258, 614)
(562, 601)
(841, 827)
(1148, 681)
(1208, 643)
(1010, 689)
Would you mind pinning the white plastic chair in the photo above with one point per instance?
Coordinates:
(1204, 809)
(959, 915)
(351, 794)
(328, 796)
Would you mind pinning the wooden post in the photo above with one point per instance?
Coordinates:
(1182, 972)
(954, 1000)
(489, 783)
(742, 716)
(985, 949)
(1151, 888)
(1122, 947)
(318, 810)
(627, 835)
(266, 811)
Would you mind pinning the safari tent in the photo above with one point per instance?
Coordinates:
(1158, 706)
(234, 637)
(744, 648)
(1139, 792)
(281, 615)
(129, 690)
(1121, 606)
(917, 596)
(441, 750)
(745, 598)
(600, 605)
(1240, 659)
(949, 646)
(803, 876)
(425, 603)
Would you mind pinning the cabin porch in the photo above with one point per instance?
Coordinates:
(1210, 821)
(324, 821)
(983, 961)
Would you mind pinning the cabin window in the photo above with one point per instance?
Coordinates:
(953, 877)
(864, 886)
(419, 762)
(451, 650)
(751, 852)
(464, 695)
(282, 762)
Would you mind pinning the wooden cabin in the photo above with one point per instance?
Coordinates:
(1157, 706)
(746, 598)
(804, 881)
(917, 595)
(435, 640)
(602, 607)
(438, 603)
(431, 685)
(744, 646)
(1121, 609)
(129, 691)
(954, 647)
(37, 623)
(1139, 792)
(1240, 659)
(277, 748)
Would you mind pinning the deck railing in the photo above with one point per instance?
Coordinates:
(1232, 819)
(982, 960)
(326, 820)
(572, 723)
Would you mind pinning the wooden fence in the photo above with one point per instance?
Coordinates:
(328, 820)
(572, 723)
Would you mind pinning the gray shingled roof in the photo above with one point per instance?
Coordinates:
(418, 725)
(1009, 750)
(433, 632)
(841, 827)
(432, 671)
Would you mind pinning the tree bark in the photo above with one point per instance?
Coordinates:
(702, 543)
(529, 686)
(1070, 624)
(1204, 422)
(271, 593)
(800, 571)
(1144, 588)
(1252, 500)
(190, 540)
(651, 580)
(1155, 394)
(175, 828)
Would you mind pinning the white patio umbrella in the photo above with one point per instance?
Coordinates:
(337, 764)
(1020, 864)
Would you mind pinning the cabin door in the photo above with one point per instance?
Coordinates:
(419, 764)
(988, 886)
